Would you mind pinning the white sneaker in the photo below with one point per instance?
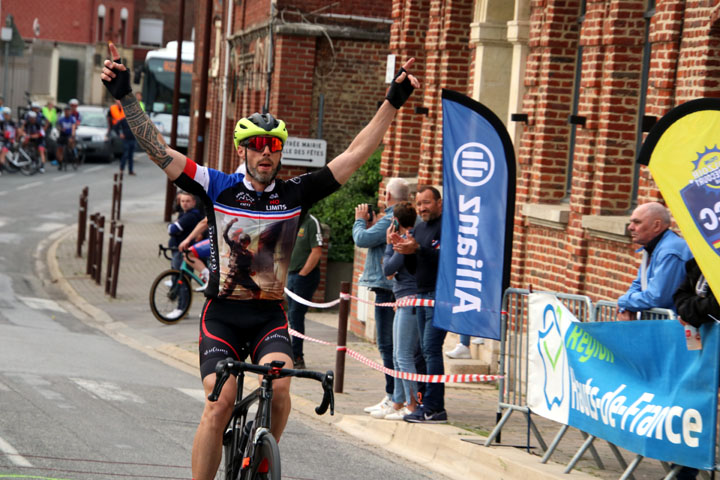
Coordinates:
(384, 412)
(168, 283)
(460, 351)
(174, 314)
(383, 403)
(478, 341)
(398, 414)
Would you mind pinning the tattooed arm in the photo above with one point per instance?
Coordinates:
(117, 80)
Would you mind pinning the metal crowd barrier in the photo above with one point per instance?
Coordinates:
(514, 364)
(512, 389)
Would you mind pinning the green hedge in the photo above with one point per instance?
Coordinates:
(338, 210)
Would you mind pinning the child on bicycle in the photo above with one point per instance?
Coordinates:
(181, 228)
(66, 126)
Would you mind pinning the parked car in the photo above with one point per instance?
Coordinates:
(92, 136)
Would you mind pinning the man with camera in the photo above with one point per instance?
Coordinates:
(369, 231)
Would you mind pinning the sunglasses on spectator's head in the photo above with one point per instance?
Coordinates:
(259, 143)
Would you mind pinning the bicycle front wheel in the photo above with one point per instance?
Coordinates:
(170, 296)
(266, 459)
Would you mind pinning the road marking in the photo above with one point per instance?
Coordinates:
(107, 391)
(4, 192)
(196, 393)
(64, 177)
(94, 169)
(42, 304)
(48, 227)
(29, 185)
(13, 454)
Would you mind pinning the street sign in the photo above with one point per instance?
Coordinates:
(304, 152)
(6, 35)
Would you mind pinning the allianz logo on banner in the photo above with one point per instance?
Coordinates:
(634, 384)
(473, 164)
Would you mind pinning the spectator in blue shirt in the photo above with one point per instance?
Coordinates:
(662, 268)
(369, 232)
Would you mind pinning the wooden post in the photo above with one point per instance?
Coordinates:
(342, 338)
(82, 220)
(99, 248)
(111, 252)
(116, 259)
(91, 245)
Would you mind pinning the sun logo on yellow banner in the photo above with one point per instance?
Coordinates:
(706, 171)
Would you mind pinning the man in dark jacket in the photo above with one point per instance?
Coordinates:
(424, 243)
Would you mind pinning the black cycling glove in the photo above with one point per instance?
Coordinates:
(120, 85)
(398, 93)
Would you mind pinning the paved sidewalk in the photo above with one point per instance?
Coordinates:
(454, 450)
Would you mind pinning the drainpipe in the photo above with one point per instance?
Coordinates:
(226, 71)
(266, 107)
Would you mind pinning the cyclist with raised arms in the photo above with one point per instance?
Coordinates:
(269, 211)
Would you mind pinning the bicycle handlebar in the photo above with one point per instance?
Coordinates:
(163, 250)
(229, 366)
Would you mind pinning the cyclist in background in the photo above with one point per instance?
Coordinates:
(7, 134)
(34, 133)
(66, 126)
(74, 109)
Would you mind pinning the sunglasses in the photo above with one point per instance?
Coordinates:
(259, 143)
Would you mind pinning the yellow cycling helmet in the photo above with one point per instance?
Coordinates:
(259, 124)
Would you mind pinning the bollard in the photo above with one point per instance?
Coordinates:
(116, 259)
(82, 221)
(116, 196)
(99, 233)
(111, 252)
(91, 244)
(342, 338)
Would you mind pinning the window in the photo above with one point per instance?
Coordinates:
(151, 32)
(100, 22)
(575, 101)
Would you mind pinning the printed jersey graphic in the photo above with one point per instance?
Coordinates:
(252, 234)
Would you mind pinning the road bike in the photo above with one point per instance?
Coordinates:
(72, 156)
(24, 158)
(171, 291)
(250, 450)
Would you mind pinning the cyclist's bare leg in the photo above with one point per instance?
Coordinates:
(281, 395)
(59, 155)
(207, 446)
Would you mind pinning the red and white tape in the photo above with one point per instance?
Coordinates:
(416, 377)
(403, 302)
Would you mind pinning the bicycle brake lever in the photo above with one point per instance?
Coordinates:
(222, 372)
(328, 396)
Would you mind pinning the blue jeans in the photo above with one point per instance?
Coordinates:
(384, 333)
(431, 341)
(127, 155)
(304, 287)
(405, 343)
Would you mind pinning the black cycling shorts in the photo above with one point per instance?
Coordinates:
(237, 329)
(63, 139)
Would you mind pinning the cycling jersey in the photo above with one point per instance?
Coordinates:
(65, 124)
(252, 233)
(8, 134)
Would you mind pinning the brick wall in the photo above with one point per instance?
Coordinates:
(71, 21)
(349, 75)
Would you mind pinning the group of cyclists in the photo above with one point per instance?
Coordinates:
(35, 126)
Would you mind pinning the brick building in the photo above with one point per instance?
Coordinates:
(65, 43)
(590, 76)
(327, 68)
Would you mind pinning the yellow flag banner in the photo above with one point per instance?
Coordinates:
(683, 153)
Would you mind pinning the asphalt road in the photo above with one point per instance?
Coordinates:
(76, 404)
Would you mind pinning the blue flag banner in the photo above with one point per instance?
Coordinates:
(634, 384)
(477, 218)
